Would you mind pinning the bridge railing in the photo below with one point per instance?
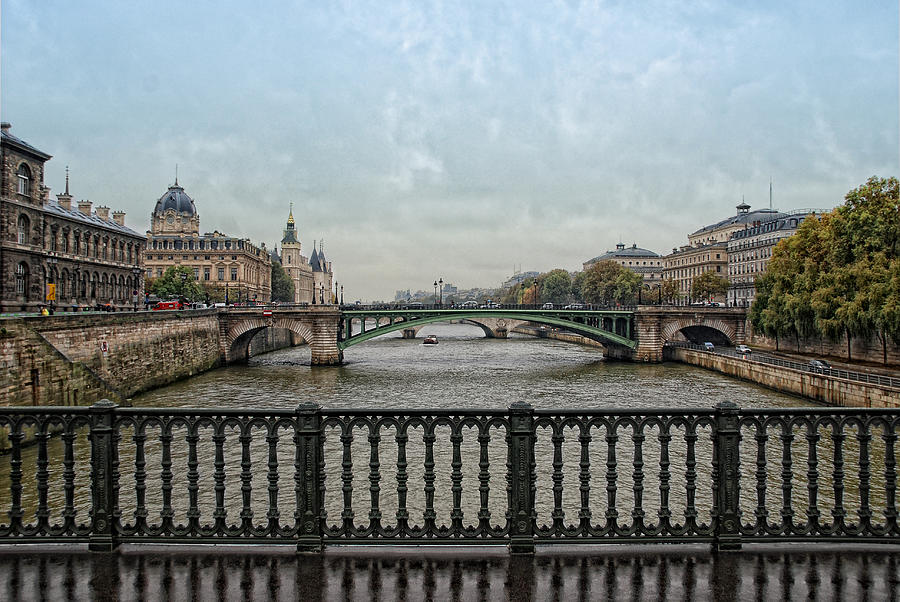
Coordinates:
(864, 377)
(311, 477)
(488, 305)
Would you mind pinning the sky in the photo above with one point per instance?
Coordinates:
(455, 140)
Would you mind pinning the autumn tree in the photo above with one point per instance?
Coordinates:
(708, 285)
(607, 282)
(177, 283)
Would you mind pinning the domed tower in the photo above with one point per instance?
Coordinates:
(175, 213)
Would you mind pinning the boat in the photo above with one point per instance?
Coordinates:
(430, 340)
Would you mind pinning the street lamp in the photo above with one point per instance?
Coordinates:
(534, 297)
(342, 294)
(183, 281)
(434, 299)
(441, 292)
(523, 293)
(136, 283)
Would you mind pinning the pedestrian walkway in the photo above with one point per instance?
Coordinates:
(647, 572)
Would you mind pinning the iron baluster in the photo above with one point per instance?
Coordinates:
(584, 479)
(246, 479)
(637, 512)
(68, 439)
(102, 501)
(347, 479)
(558, 515)
(812, 476)
(839, 513)
(762, 514)
(140, 478)
(456, 514)
(272, 514)
(521, 511)
(374, 479)
(429, 515)
(15, 477)
(787, 512)
(168, 513)
(690, 478)
(484, 479)
(664, 513)
(193, 476)
(43, 511)
(220, 513)
(402, 479)
(611, 476)
(865, 513)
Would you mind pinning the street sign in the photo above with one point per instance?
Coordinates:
(51, 292)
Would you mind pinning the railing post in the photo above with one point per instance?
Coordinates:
(307, 444)
(726, 472)
(103, 499)
(520, 466)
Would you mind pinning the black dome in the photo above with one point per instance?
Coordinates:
(176, 198)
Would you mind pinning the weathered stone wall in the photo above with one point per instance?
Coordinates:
(33, 372)
(826, 389)
(271, 339)
(860, 349)
(141, 351)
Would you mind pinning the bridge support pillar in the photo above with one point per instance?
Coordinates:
(409, 333)
(499, 333)
(323, 346)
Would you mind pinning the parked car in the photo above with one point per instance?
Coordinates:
(819, 365)
(547, 306)
(709, 346)
(742, 349)
(415, 305)
(490, 305)
(469, 305)
(715, 304)
(574, 306)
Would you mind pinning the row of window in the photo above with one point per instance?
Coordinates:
(199, 245)
(80, 285)
(86, 244)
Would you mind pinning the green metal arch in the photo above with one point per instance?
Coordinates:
(445, 315)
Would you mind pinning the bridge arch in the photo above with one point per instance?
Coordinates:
(237, 338)
(711, 329)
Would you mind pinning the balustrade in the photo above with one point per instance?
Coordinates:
(519, 477)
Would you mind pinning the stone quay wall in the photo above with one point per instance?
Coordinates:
(866, 350)
(825, 389)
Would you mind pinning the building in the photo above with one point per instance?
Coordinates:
(692, 260)
(750, 249)
(640, 261)
(54, 254)
(233, 268)
(313, 277)
(722, 230)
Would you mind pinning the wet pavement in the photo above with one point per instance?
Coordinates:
(784, 572)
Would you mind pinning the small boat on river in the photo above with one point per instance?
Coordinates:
(431, 339)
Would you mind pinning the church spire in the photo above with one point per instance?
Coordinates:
(291, 215)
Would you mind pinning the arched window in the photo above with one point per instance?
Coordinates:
(24, 175)
(21, 278)
(23, 227)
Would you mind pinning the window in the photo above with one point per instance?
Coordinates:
(234, 273)
(221, 273)
(53, 235)
(234, 258)
(23, 227)
(21, 278)
(206, 273)
(24, 175)
(158, 272)
(196, 273)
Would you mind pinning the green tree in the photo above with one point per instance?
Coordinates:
(607, 282)
(669, 290)
(708, 285)
(554, 287)
(177, 283)
(282, 285)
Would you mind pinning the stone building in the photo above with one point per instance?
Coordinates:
(640, 261)
(56, 254)
(722, 230)
(313, 278)
(750, 249)
(234, 268)
(692, 260)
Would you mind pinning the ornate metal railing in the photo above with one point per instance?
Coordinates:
(310, 477)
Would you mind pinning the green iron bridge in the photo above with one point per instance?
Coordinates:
(608, 326)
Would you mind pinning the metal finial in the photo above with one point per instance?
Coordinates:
(176, 174)
(67, 180)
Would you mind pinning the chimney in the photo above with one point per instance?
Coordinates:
(103, 212)
(85, 207)
(5, 126)
(119, 217)
(65, 201)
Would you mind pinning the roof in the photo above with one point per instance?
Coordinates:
(176, 198)
(314, 260)
(745, 217)
(93, 219)
(622, 251)
(8, 138)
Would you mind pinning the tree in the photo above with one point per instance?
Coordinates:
(555, 287)
(177, 283)
(708, 285)
(669, 290)
(282, 285)
(607, 282)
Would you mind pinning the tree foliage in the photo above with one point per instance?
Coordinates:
(554, 287)
(282, 285)
(669, 291)
(171, 285)
(838, 275)
(708, 285)
(607, 282)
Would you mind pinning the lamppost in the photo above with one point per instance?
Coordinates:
(534, 297)
(523, 293)
(342, 294)
(441, 292)
(183, 281)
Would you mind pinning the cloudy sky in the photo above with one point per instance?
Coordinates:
(460, 140)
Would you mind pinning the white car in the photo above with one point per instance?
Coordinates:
(547, 306)
(743, 349)
(469, 305)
